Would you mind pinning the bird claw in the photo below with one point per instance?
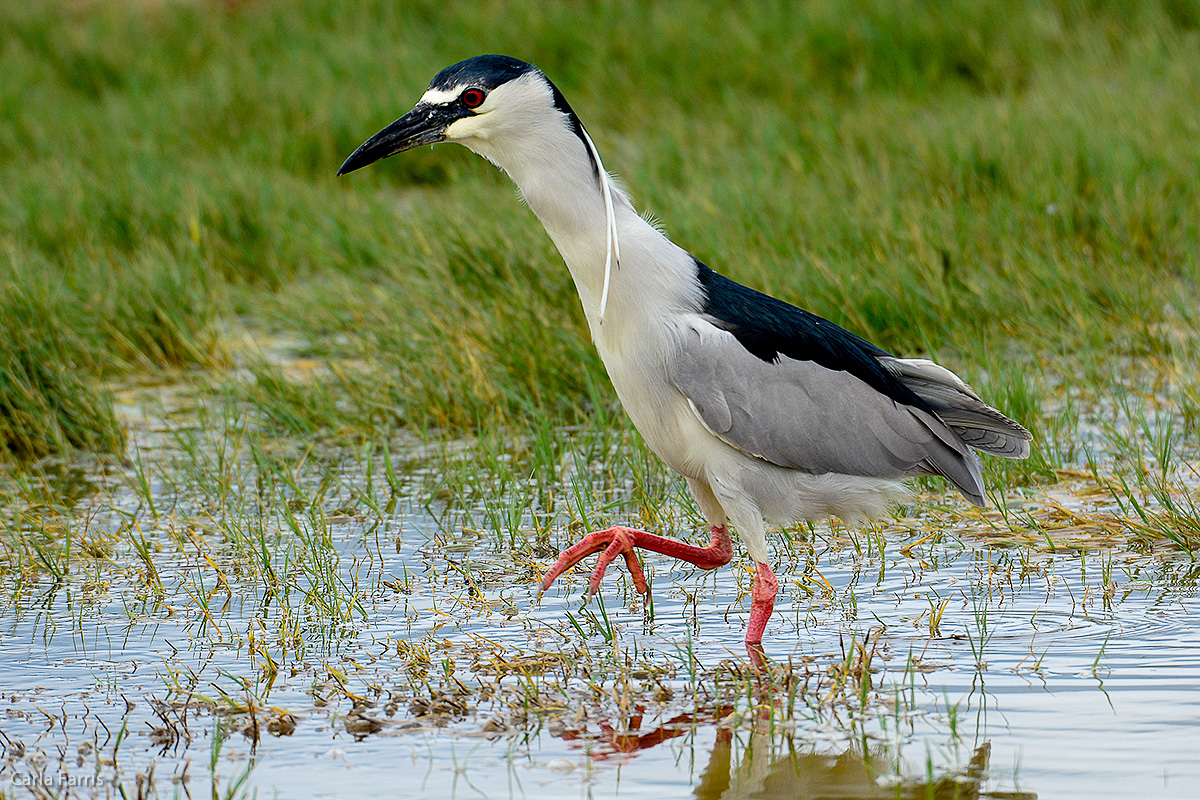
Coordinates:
(621, 541)
(609, 543)
(622, 544)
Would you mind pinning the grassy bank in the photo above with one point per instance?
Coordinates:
(1011, 187)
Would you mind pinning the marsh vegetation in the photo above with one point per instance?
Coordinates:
(284, 456)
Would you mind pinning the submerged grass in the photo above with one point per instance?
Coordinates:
(282, 554)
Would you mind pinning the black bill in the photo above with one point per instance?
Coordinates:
(425, 124)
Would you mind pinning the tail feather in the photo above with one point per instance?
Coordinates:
(976, 423)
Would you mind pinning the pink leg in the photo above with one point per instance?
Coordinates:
(762, 603)
(621, 541)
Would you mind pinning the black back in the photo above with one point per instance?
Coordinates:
(768, 328)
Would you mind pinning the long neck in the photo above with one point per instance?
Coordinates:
(552, 165)
(556, 175)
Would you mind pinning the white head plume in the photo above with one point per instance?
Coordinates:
(612, 255)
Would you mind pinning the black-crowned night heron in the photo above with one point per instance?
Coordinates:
(765, 409)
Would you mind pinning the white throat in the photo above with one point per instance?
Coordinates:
(561, 178)
(591, 221)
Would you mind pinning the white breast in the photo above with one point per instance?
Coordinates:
(637, 342)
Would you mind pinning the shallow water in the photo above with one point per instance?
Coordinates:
(1047, 673)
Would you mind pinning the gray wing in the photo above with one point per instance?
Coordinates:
(803, 416)
(973, 421)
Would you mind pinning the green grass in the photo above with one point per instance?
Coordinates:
(1009, 187)
(45, 405)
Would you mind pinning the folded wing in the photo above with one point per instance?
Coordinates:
(804, 416)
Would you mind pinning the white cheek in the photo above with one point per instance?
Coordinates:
(466, 128)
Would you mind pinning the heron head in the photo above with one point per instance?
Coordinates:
(485, 103)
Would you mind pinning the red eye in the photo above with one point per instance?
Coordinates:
(472, 98)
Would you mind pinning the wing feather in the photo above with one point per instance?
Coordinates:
(956, 404)
(804, 416)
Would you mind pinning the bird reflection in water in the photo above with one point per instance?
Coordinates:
(765, 762)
